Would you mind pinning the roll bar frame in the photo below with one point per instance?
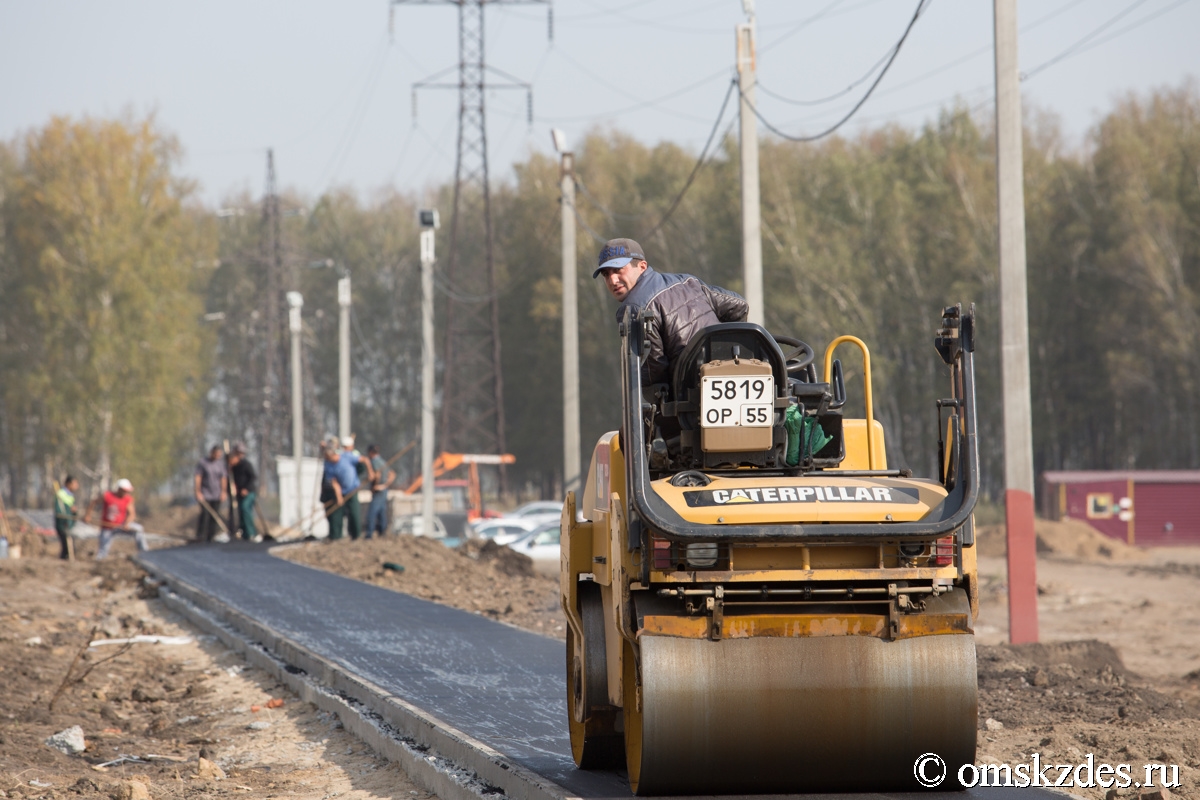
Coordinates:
(954, 341)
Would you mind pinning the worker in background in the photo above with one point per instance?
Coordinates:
(119, 516)
(381, 479)
(682, 305)
(348, 479)
(64, 514)
(245, 488)
(362, 467)
(331, 492)
(211, 484)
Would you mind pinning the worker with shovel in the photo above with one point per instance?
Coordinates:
(211, 484)
(118, 515)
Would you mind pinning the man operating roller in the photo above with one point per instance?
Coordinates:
(681, 304)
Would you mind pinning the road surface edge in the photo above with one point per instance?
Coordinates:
(438, 757)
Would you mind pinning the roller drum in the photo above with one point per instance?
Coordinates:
(781, 715)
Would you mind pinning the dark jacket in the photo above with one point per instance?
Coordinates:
(244, 476)
(683, 306)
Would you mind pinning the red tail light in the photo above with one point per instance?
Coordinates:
(662, 554)
(943, 552)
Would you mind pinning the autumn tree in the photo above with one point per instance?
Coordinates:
(102, 358)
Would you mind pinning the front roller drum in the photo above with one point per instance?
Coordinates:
(595, 742)
(780, 715)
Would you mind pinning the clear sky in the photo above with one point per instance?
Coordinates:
(325, 85)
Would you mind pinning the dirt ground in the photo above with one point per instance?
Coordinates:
(166, 704)
(1117, 674)
(484, 579)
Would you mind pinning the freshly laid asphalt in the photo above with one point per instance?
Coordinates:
(498, 684)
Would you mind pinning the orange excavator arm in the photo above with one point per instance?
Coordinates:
(445, 462)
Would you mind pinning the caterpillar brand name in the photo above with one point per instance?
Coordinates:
(803, 494)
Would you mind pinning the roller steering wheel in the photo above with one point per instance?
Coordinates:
(800, 357)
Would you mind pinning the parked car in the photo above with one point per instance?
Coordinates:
(414, 525)
(504, 530)
(541, 510)
(543, 546)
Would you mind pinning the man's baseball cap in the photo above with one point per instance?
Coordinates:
(347, 441)
(617, 253)
(125, 484)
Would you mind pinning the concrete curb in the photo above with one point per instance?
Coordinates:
(438, 757)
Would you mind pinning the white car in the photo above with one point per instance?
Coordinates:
(542, 545)
(504, 530)
(414, 525)
(539, 510)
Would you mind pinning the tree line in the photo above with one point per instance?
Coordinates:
(134, 324)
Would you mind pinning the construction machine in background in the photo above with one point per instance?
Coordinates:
(755, 601)
(448, 462)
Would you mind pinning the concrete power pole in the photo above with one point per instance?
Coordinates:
(570, 318)
(270, 418)
(428, 218)
(295, 303)
(343, 290)
(1014, 334)
(751, 214)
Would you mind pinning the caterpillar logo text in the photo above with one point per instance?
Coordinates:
(803, 494)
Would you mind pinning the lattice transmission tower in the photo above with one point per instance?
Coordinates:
(472, 418)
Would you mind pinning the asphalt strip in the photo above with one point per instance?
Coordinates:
(468, 706)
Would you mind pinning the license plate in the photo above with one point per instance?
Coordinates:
(737, 402)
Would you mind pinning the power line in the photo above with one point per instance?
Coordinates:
(579, 218)
(620, 90)
(1025, 29)
(612, 215)
(921, 6)
(1132, 25)
(823, 100)
(977, 52)
(644, 103)
(1086, 44)
(804, 23)
(357, 115)
(699, 161)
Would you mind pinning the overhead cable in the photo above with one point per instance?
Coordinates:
(582, 187)
(991, 97)
(804, 23)
(836, 95)
(921, 6)
(1086, 42)
(579, 218)
(988, 48)
(699, 161)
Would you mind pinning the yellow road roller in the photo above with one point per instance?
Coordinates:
(756, 602)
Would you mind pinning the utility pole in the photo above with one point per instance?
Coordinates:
(295, 303)
(472, 380)
(428, 219)
(1014, 334)
(343, 290)
(272, 394)
(751, 214)
(570, 317)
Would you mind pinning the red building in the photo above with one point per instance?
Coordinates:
(1141, 507)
